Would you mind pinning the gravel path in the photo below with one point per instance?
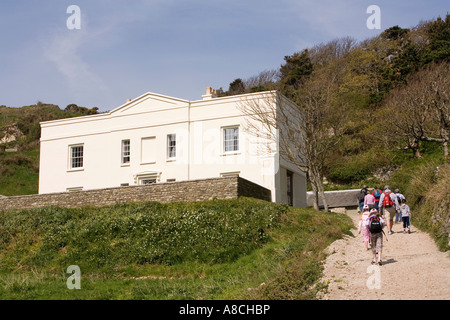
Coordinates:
(413, 268)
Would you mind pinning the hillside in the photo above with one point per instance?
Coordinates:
(220, 249)
(383, 140)
(19, 143)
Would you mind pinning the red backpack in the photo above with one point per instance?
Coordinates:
(387, 201)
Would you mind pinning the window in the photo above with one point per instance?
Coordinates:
(171, 146)
(76, 157)
(125, 151)
(148, 177)
(231, 139)
(290, 187)
(148, 180)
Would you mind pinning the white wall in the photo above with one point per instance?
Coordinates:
(198, 127)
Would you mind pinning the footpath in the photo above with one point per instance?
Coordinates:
(413, 268)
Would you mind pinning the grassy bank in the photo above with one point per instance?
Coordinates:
(425, 183)
(222, 249)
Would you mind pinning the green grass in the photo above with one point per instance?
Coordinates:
(241, 249)
(19, 172)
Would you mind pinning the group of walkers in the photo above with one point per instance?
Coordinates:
(378, 209)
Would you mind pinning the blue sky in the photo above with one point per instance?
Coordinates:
(172, 47)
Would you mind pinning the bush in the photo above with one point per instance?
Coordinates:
(210, 232)
(357, 168)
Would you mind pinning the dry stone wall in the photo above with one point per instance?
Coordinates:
(194, 190)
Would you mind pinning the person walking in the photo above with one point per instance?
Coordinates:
(360, 196)
(388, 205)
(406, 216)
(400, 197)
(369, 200)
(362, 226)
(375, 224)
(377, 194)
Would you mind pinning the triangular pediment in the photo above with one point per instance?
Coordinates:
(149, 102)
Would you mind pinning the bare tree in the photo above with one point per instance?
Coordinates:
(438, 85)
(406, 117)
(304, 132)
(420, 111)
(265, 80)
(335, 49)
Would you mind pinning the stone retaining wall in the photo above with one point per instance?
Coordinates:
(194, 190)
(341, 198)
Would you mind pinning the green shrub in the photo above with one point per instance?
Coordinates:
(358, 167)
(208, 232)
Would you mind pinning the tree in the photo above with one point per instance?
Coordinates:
(439, 40)
(420, 111)
(295, 71)
(405, 118)
(264, 81)
(394, 33)
(236, 87)
(304, 131)
(324, 53)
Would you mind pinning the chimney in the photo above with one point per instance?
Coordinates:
(210, 93)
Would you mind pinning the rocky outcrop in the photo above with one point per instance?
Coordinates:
(10, 133)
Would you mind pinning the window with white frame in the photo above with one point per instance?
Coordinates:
(231, 139)
(171, 146)
(147, 177)
(76, 154)
(126, 151)
(147, 181)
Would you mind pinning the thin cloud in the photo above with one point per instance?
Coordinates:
(64, 51)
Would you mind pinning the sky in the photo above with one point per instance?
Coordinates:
(108, 51)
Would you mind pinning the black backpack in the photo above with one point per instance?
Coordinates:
(375, 224)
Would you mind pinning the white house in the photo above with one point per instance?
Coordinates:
(155, 138)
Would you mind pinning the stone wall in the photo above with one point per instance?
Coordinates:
(335, 199)
(194, 190)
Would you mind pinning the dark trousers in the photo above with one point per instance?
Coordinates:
(405, 222)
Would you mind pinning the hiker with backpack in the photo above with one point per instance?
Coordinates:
(398, 214)
(360, 196)
(388, 206)
(362, 226)
(377, 194)
(375, 224)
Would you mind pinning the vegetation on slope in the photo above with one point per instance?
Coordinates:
(19, 170)
(204, 250)
(425, 183)
(241, 248)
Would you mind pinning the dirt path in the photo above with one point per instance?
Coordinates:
(413, 268)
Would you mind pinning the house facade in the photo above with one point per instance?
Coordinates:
(155, 138)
